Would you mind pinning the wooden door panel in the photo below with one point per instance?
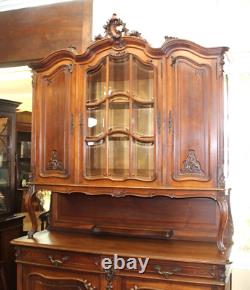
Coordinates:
(39, 282)
(156, 285)
(193, 116)
(56, 123)
(41, 278)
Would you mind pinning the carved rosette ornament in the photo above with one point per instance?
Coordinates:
(191, 165)
(54, 163)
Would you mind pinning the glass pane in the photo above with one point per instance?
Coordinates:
(4, 164)
(96, 120)
(143, 159)
(143, 76)
(95, 158)
(119, 155)
(96, 80)
(119, 74)
(143, 119)
(119, 114)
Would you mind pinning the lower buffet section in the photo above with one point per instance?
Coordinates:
(66, 261)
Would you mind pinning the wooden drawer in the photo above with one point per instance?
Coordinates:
(59, 259)
(167, 269)
(157, 285)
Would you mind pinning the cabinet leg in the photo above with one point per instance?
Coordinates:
(31, 211)
(223, 208)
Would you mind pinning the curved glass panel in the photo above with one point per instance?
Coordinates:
(95, 157)
(96, 83)
(119, 114)
(143, 119)
(96, 120)
(143, 80)
(118, 74)
(143, 159)
(118, 155)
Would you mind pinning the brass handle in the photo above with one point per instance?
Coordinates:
(166, 274)
(56, 262)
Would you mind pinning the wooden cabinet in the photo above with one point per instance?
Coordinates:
(129, 139)
(180, 265)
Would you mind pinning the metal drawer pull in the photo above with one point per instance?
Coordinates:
(166, 274)
(56, 262)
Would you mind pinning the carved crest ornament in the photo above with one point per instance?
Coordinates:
(115, 28)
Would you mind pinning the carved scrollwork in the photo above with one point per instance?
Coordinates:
(115, 29)
(134, 33)
(191, 165)
(88, 285)
(54, 163)
(109, 276)
(119, 53)
(169, 38)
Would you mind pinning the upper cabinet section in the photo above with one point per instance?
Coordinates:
(124, 114)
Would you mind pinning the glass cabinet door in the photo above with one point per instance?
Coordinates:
(120, 134)
(4, 163)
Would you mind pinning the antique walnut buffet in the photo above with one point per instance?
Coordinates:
(129, 139)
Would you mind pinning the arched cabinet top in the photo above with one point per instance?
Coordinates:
(118, 41)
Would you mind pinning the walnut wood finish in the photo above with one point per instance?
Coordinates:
(192, 167)
(200, 265)
(32, 33)
(184, 198)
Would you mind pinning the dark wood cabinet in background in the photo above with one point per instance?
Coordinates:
(23, 157)
(7, 156)
(11, 225)
(129, 139)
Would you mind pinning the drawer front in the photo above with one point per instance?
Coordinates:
(59, 259)
(164, 270)
(156, 285)
(168, 269)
